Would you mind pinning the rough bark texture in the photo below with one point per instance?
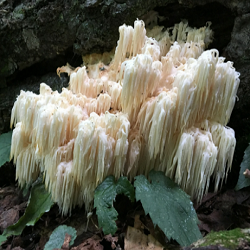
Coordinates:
(38, 36)
(32, 31)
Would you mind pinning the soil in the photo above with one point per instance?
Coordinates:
(225, 210)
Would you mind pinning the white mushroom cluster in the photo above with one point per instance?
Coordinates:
(159, 102)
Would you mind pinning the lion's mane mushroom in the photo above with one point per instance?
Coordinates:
(159, 102)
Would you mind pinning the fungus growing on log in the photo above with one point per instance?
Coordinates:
(162, 102)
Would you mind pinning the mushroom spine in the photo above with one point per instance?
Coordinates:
(161, 103)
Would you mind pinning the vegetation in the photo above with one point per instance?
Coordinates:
(168, 206)
(243, 181)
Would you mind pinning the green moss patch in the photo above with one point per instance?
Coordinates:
(228, 239)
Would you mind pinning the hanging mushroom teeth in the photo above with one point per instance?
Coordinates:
(158, 102)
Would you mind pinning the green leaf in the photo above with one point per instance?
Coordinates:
(57, 237)
(123, 186)
(105, 194)
(5, 145)
(26, 189)
(245, 164)
(169, 207)
(39, 203)
(2, 239)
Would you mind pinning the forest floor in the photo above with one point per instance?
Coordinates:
(224, 210)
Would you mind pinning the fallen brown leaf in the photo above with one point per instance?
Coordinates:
(135, 240)
(112, 240)
(224, 210)
(8, 217)
(15, 248)
(66, 242)
(92, 243)
(137, 223)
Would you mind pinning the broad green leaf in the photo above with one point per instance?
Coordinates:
(39, 203)
(169, 207)
(123, 186)
(5, 145)
(2, 239)
(105, 194)
(57, 237)
(245, 164)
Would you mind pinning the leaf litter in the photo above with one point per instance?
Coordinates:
(224, 210)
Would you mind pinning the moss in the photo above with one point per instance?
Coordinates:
(19, 12)
(228, 239)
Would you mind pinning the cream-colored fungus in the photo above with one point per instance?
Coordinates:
(159, 102)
